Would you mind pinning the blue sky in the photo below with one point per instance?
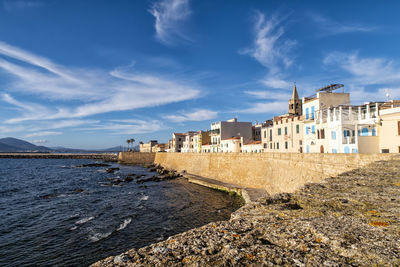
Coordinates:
(90, 74)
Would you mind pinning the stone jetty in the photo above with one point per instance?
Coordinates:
(352, 219)
(106, 157)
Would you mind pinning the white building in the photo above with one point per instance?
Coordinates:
(223, 130)
(230, 145)
(323, 99)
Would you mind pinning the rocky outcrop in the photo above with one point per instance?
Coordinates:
(352, 219)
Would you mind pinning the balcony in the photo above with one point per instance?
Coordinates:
(214, 132)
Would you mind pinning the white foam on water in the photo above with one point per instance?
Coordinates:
(73, 228)
(84, 220)
(98, 236)
(124, 224)
(144, 198)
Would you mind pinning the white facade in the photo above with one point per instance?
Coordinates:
(223, 130)
(347, 129)
(252, 147)
(230, 145)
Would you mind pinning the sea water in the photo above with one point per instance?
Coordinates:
(53, 213)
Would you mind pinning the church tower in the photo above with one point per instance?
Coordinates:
(295, 104)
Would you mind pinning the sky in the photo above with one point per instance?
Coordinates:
(92, 74)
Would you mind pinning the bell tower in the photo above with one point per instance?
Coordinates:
(295, 104)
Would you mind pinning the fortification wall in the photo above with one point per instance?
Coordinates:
(136, 157)
(274, 172)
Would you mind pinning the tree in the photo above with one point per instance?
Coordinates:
(128, 141)
(132, 141)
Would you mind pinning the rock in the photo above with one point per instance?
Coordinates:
(79, 190)
(93, 165)
(128, 179)
(48, 196)
(350, 220)
(111, 170)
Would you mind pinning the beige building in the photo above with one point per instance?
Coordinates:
(188, 143)
(147, 147)
(159, 148)
(389, 129)
(283, 134)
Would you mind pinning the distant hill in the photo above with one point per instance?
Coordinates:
(11, 144)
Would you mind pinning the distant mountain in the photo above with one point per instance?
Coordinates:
(10, 144)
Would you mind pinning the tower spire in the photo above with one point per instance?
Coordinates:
(295, 95)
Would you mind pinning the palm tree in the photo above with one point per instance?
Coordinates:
(128, 141)
(132, 141)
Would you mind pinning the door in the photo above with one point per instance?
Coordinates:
(321, 149)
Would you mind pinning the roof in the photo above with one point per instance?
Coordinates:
(179, 134)
(295, 95)
(253, 143)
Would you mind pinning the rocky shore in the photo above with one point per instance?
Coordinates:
(352, 219)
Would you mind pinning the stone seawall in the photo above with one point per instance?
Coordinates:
(274, 172)
(136, 157)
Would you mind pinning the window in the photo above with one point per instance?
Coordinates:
(333, 135)
(313, 129)
(270, 145)
(285, 130)
(307, 115)
(323, 134)
(364, 132)
(307, 149)
(373, 132)
(297, 128)
(398, 127)
(179, 139)
(307, 130)
(279, 131)
(312, 112)
(334, 150)
(318, 134)
(286, 145)
(270, 135)
(265, 134)
(265, 145)
(277, 145)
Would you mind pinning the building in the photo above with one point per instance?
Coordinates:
(199, 139)
(389, 127)
(177, 142)
(325, 98)
(256, 131)
(295, 103)
(283, 134)
(252, 147)
(231, 145)
(223, 130)
(348, 129)
(188, 142)
(159, 148)
(147, 147)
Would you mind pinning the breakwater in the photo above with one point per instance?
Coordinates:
(273, 172)
(349, 220)
(106, 157)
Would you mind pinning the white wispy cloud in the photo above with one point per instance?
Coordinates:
(15, 5)
(276, 83)
(97, 91)
(196, 115)
(273, 95)
(365, 71)
(37, 134)
(276, 107)
(330, 27)
(270, 47)
(170, 16)
(129, 126)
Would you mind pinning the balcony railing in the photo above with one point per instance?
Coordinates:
(349, 140)
(214, 131)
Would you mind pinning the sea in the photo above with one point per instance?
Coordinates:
(55, 213)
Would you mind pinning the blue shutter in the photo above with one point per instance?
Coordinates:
(312, 112)
(307, 115)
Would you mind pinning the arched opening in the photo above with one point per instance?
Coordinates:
(321, 149)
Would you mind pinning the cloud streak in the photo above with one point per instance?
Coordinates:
(95, 91)
(170, 16)
(270, 48)
(330, 27)
(196, 115)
